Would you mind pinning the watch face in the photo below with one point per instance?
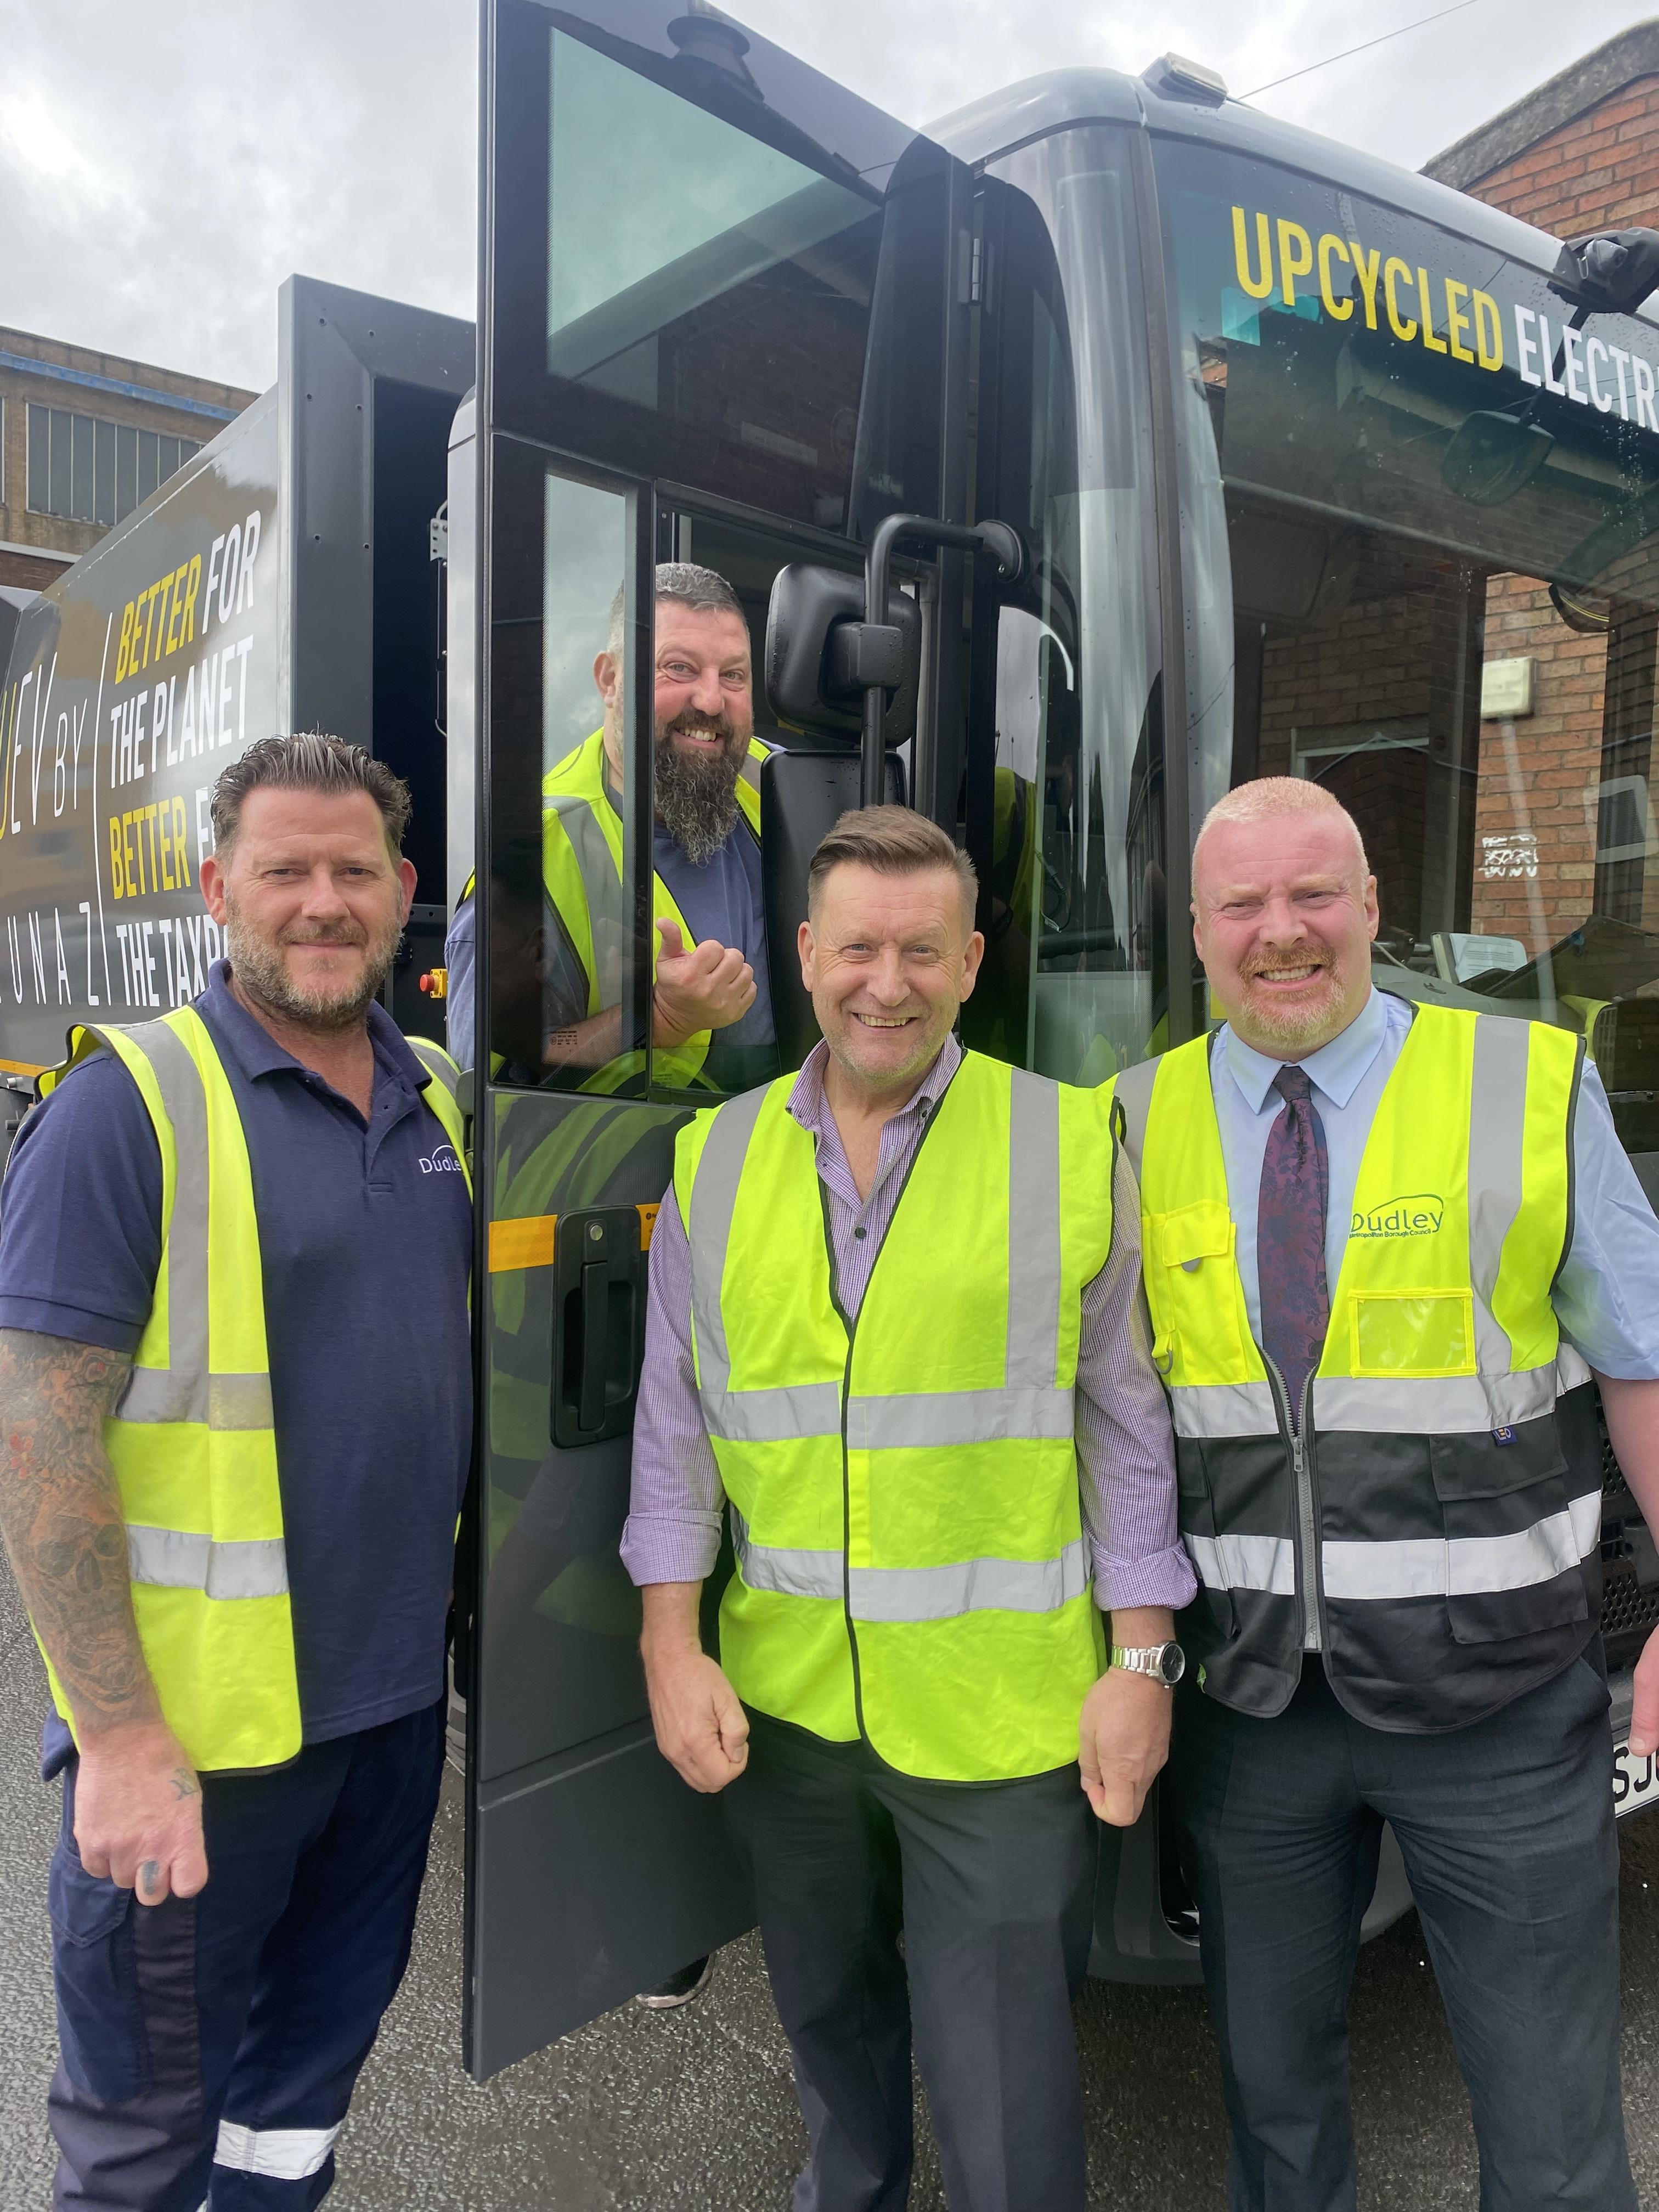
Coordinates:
(1172, 1663)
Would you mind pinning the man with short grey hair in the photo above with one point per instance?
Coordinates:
(895, 1340)
(711, 1012)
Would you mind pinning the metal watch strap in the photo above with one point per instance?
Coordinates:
(1147, 1659)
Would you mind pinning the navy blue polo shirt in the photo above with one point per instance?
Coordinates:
(365, 1246)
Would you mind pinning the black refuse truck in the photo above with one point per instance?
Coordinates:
(1107, 446)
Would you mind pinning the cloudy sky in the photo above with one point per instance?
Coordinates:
(162, 168)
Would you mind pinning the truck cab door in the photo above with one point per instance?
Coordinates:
(687, 240)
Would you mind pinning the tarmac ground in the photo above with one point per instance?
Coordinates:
(695, 2111)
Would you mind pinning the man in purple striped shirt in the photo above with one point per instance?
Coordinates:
(959, 1810)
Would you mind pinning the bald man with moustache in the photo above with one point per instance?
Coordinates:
(1386, 1249)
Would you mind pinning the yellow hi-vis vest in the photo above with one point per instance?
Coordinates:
(582, 864)
(911, 1566)
(1434, 1528)
(191, 1443)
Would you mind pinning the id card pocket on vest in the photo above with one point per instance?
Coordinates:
(1412, 1333)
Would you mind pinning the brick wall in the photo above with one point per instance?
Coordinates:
(29, 572)
(1598, 170)
(1534, 772)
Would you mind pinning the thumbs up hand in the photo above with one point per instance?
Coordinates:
(708, 987)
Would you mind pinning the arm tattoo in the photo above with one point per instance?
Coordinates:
(60, 1514)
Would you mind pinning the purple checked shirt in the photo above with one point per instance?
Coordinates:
(1125, 1453)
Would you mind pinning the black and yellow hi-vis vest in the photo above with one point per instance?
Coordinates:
(1434, 1530)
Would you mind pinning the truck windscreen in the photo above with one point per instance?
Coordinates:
(1441, 508)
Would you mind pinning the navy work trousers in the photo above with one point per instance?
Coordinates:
(1506, 1828)
(209, 2045)
(993, 1886)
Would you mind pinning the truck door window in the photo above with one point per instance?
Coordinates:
(712, 319)
(1441, 511)
(565, 939)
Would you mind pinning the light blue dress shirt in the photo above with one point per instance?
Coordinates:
(1606, 1297)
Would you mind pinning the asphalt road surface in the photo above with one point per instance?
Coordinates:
(694, 2112)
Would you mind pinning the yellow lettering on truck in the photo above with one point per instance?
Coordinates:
(1257, 287)
(1488, 330)
(1365, 267)
(1339, 310)
(1293, 263)
(1403, 328)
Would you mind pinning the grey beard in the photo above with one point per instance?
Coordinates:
(260, 967)
(696, 799)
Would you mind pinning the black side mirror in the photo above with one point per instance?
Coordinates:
(1492, 457)
(1608, 271)
(821, 655)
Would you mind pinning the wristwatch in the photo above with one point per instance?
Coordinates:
(1165, 1662)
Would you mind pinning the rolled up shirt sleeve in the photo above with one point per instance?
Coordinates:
(1126, 1447)
(672, 1533)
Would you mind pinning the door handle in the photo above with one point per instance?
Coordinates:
(595, 1316)
(598, 1324)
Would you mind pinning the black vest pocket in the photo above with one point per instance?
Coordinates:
(1513, 1563)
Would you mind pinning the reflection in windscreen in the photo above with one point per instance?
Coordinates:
(1441, 519)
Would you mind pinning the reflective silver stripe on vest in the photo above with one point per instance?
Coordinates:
(609, 912)
(1497, 1122)
(772, 1416)
(714, 1202)
(185, 1390)
(160, 1394)
(1135, 1094)
(1466, 1566)
(1436, 1405)
(1251, 1563)
(436, 1062)
(1225, 1409)
(784, 1572)
(901, 1594)
(958, 1417)
(892, 1595)
(174, 1559)
(1034, 1267)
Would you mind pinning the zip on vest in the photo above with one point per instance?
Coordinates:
(1307, 1519)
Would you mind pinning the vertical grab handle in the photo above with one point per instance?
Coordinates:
(598, 1324)
(595, 1316)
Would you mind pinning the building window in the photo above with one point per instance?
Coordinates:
(86, 469)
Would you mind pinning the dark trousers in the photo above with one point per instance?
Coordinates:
(1507, 1831)
(210, 2045)
(993, 1887)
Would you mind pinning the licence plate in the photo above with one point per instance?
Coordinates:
(1634, 1782)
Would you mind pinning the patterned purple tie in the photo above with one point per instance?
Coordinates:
(1290, 1237)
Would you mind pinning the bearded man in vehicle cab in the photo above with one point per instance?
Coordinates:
(894, 1324)
(1387, 1246)
(711, 1014)
(235, 1424)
